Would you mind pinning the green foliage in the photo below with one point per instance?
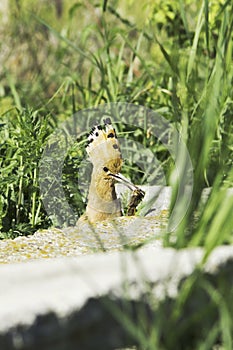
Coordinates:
(22, 138)
(203, 125)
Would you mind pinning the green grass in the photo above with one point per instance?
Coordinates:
(174, 58)
(22, 139)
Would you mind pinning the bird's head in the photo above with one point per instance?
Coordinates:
(105, 154)
(104, 150)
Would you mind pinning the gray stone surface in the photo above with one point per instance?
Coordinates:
(69, 303)
(107, 235)
(86, 239)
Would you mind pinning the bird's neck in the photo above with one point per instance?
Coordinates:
(102, 196)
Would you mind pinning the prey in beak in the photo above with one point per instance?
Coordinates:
(137, 193)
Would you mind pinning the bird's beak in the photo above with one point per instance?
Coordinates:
(121, 179)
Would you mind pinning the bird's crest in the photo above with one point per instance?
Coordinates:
(103, 146)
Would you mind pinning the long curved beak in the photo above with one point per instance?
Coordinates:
(121, 179)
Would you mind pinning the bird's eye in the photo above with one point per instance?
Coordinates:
(105, 169)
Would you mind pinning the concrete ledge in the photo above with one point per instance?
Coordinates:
(74, 303)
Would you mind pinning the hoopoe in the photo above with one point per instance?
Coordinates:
(104, 151)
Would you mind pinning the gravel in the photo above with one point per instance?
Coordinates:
(83, 239)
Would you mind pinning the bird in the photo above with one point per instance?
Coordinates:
(104, 151)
